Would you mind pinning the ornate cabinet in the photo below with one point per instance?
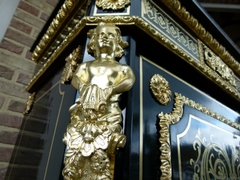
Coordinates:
(180, 118)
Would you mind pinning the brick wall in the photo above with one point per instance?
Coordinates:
(16, 69)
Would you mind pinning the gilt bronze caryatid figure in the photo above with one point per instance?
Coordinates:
(95, 130)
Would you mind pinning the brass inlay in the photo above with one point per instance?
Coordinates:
(112, 4)
(163, 23)
(176, 7)
(30, 101)
(160, 89)
(71, 65)
(95, 131)
(25, 123)
(62, 94)
(215, 160)
(172, 118)
(141, 121)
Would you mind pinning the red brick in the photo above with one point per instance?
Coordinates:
(16, 106)
(18, 62)
(3, 170)
(20, 26)
(2, 99)
(13, 90)
(21, 38)
(8, 137)
(10, 120)
(6, 72)
(33, 20)
(11, 47)
(52, 2)
(28, 8)
(5, 154)
(44, 16)
(28, 55)
(23, 79)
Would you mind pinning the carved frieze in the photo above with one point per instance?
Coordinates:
(112, 4)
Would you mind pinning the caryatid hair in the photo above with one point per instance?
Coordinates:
(120, 43)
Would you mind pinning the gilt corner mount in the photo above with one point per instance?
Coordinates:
(95, 133)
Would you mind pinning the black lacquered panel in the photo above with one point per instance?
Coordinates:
(185, 136)
(39, 149)
(204, 148)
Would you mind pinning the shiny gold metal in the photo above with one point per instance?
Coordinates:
(71, 65)
(30, 103)
(148, 29)
(215, 160)
(69, 14)
(172, 118)
(95, 133)
(176, 7)
(160, 89)
(112, 4)
(219, 66)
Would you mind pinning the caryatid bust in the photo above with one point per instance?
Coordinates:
(95, 130)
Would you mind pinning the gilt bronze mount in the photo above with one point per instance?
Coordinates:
(95, 133)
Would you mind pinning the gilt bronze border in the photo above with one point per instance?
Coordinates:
(148, 29)
(172, 118)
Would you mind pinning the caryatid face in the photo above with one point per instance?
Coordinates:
(106, 39)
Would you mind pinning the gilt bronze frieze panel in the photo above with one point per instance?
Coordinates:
(202, 33)
(165, 25)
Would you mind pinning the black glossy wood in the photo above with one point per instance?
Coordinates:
(39, 149)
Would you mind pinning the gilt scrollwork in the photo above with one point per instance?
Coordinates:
(172, 118)
(30, 102)
(114, 5)
(160, 89)
(95, 131)
(219, 66)
(214, 161)
(71, 65)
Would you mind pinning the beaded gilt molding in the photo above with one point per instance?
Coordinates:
(71, 12)
(172, 118)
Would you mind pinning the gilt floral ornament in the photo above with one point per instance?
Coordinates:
(87, 137)
(160, 89)
(112, 4)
